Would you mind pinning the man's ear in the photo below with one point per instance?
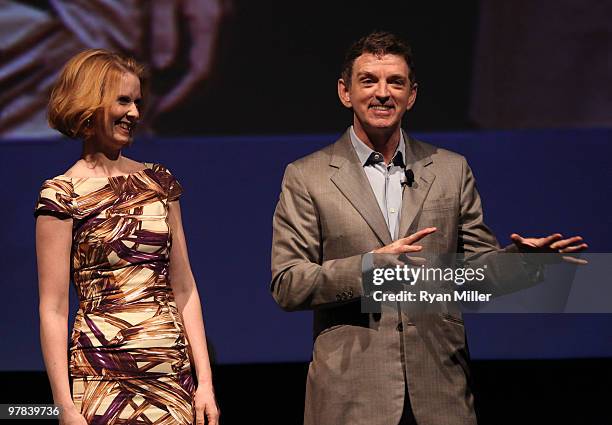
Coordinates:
(343, 93)
(412, 97)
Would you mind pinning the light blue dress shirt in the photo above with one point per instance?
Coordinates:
(385, 179)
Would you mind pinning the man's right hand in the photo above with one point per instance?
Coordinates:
(405, 245)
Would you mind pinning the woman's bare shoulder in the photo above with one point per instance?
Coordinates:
(77, 169)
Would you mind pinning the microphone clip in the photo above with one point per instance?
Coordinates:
(409, 177)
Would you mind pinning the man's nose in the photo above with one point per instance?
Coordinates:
(382, 92)
(382, 99)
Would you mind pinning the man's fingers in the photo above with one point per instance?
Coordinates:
(516, 238)
(536, 242)
(521, 241)
(404, 249)
(574, 248)
(396, 250)
(565, 242)
(553, 244)
(549, 240)
(405, 245)
(414, 261)
(574, 260)
(417, 236)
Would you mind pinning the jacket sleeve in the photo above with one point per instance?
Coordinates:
(300, 278)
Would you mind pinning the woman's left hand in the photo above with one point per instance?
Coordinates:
(206, 405)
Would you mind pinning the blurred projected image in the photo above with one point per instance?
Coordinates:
(176, 39)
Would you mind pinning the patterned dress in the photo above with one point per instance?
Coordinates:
(128, 355)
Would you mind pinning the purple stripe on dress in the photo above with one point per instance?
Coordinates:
(115, 407)
(97, 332)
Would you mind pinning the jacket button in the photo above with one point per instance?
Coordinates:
(400, 327)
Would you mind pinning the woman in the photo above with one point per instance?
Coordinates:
(115, 224)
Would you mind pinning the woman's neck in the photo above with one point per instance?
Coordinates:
(106, 160)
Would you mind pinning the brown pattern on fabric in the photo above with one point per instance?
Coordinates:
(128, 351)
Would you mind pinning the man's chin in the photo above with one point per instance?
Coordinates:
(383, 125)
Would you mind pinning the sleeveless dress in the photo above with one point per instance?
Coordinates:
(128, 356)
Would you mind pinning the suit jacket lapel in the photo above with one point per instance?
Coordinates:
(352, 181)
(417, 159)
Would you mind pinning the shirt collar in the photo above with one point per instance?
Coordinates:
(367, 156)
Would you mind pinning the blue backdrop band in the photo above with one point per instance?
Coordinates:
(531, 182)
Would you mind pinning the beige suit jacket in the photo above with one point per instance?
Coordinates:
(327, 217)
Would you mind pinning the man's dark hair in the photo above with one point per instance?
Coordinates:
(378, 43)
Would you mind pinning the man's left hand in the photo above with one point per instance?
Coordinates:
(553, 244)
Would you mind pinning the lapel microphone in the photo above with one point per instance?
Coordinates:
(409, 177)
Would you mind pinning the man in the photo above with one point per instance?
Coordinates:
(354, 197)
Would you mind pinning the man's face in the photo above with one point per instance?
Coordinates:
(380, 92)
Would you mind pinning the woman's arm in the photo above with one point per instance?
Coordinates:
(188, 302)
(53, 244)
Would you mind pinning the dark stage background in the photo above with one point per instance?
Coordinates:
(241, 88)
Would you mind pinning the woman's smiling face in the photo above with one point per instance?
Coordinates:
(115, 125)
